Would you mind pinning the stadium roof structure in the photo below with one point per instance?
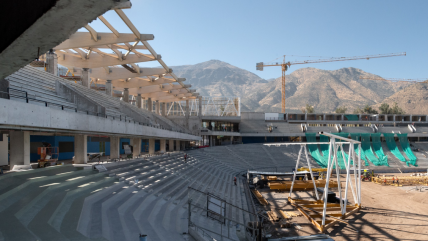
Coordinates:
(88, 50)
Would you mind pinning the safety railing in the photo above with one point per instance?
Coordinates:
(21, 94)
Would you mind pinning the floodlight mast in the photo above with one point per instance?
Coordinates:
(285, 65)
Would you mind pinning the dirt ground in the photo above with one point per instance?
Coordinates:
(388, 213)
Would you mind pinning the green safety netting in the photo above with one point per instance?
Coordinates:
(406, 148)
(352, 117)
(324, 149)
(313, 149)
(390, 142)
(357, 137)
(367, 149)
(377, 147)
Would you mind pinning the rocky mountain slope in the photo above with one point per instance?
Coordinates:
(412, 99)
(325, 90)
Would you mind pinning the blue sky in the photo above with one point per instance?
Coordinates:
(243, 33)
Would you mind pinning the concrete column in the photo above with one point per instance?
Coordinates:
(19, 148)
(211, 141)
(80, 149)
(162, 145)
(158, 107)
(126, 95)
(86, 78)
(52, 63)
(177, 145)
(109, 88)
(149, 104)
(139, 101)
(114, 147)
(231, 140)
(151, 146)
(183, 145)
(171, 145)
(163, 104)
(200, 106)
(136, 147)
(187, 109)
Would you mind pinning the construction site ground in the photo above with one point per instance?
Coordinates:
(388, 213)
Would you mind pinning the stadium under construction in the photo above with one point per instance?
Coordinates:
(95, 147)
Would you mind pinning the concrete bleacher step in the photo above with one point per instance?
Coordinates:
(26, 214)
(91, 212)
(20, 191)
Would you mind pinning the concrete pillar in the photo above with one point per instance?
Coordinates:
(200, 107)
(86, 78)
(151, 146)
(19, 148)
(126, 95)
(177, 145)
(139, 101)
(109, 88)
(171, 145)
(80, 149)
(163, 104)
(162, 145)
(187, 109)
(183, 145)
(211, 141)
(114, 147)
(52, 63)
(149, 104)
(136, 147)
(231, 140)
(158, 107)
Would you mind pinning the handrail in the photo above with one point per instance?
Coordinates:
(28, 98)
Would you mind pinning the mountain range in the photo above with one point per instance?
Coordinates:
(325, 90)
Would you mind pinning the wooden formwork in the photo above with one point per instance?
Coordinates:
(299, 185)
(313, 211)
(260, 197)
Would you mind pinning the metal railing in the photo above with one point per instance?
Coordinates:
(33, 98)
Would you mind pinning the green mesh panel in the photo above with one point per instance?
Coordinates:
(367, 149)
(357, 137)
(390, 142)
(324, 148)
(406, 148)
(377, 147)
(352, 117)
(313, 149)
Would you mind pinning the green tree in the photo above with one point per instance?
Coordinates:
(384, 108)
(307, 109)
(358, 110)
(341, 110)
(397, 110)
(369, 110)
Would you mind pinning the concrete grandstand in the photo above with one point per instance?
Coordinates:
(163, 151)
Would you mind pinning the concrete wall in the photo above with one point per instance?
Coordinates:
(40, 118)
(82, 102)
(253, 115)
(193, 122)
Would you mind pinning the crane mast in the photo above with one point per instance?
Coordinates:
(285, 65)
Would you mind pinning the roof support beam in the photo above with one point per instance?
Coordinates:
(83, 40)
(109, 26)
(98, 61)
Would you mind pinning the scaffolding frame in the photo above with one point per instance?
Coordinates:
(311, 209)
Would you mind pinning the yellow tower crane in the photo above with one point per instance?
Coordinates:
(285, 65)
